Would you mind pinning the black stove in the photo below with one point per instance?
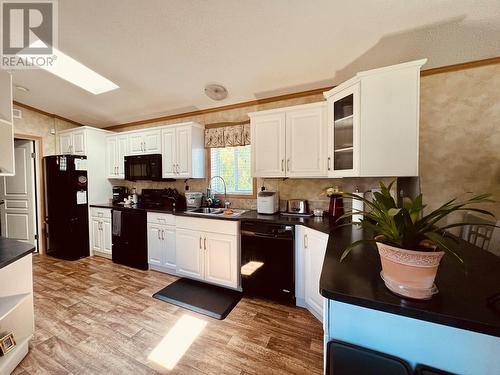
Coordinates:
(166, 199)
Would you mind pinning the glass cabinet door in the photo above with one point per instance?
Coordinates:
(345, 118)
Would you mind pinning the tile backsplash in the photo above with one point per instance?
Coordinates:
(311, 189)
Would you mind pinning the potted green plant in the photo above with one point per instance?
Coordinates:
(410, 244)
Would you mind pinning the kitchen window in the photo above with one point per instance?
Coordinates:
(233, 164)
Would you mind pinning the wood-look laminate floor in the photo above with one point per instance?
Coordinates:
(96, 317)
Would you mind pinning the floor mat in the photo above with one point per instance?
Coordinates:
(207, 299)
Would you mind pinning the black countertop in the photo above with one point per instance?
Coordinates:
(322, 224)
(464, 290)
(12, 250)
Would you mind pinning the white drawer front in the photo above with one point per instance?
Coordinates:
(100, 212)
(163, 219)
(208, 225)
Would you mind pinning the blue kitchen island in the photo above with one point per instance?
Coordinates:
(458, 330)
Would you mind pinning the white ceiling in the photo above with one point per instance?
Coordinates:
(162, 53)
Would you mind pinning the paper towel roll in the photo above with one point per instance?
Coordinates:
(357, 205)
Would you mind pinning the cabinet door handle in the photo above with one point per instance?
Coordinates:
(288, 165)
(329, 160)
(163, 235)
(159, 234)
(200, 242)
(282, 165)
(178, 169)
(205, 243)
(305, 241)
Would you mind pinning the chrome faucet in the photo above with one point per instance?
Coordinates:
(226, 203)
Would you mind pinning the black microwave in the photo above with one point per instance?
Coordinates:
(143, 167)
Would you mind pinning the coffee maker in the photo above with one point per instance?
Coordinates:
(119, 194)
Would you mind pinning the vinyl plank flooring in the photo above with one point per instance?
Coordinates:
(93, 316)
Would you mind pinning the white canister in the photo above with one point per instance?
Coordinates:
(357, 206)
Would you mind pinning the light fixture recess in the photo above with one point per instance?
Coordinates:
(22, 88)
(215, 91)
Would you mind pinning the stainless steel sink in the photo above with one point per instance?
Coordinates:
(208, 211)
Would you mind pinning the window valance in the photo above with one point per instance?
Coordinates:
(230, 135)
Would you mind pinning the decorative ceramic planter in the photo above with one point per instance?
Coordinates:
(409, 273)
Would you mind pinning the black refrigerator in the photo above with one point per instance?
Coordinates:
(66, 206)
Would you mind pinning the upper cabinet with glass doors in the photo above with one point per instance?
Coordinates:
(373, 122)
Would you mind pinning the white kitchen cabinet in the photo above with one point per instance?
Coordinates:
(290, 142)
(190, 256)
(7, 164)
(116, 150)
(268, 145)
(101, 231)
(373, 123)
(161, 242)
(306, 142)
(310, 253)
(65, 143)
(96, 238)
(221, 259)
(183, 153)
(211, 252)
(91, 142)
(73, 142)
(145, 142)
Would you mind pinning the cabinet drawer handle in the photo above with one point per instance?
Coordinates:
(305, 241)
(329, 160)
(99, 214)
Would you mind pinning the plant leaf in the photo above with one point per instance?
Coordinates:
(348, 249)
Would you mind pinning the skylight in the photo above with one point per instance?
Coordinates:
(69, 69)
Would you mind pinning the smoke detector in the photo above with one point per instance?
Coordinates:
(215, 91)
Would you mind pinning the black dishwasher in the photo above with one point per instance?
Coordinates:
(267, 261)
(129, 238)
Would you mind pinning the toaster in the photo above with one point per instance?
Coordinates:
(297, 206)
(267, 202)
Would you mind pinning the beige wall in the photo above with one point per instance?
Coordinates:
(459, 142)
(460, 135)
(36, 124)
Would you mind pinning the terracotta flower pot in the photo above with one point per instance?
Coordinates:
(409, 273)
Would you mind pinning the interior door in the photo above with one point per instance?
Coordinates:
(155, 253)
(189, 253)
(183, 137)
(221, 259)
(268, 145)
(306, 140)
(78, 143)
(111, 151)
(169, 153)
(17, 195)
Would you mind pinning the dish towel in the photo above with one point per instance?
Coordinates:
(117, 223)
